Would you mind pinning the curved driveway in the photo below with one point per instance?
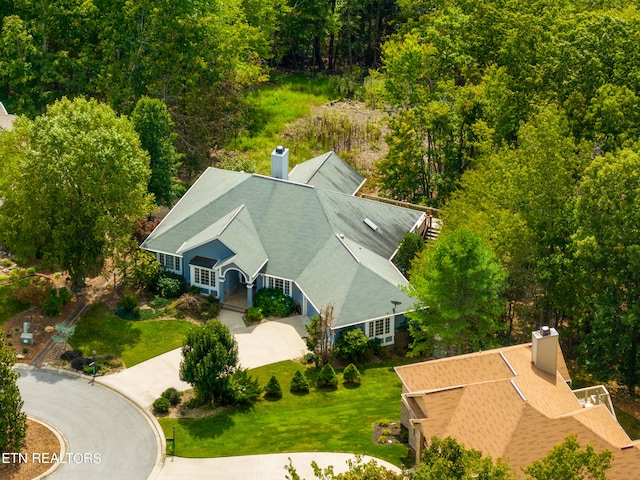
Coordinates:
(94, 420)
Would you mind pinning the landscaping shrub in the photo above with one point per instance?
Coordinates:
(69, 355)
(273, 302)
(52, 306)
(79, 363)
(161, 405)
(189, 304)
(352, 345)
(128, 307)
(328, 377)
(273, 389)
(254, 314)
(65, 295)
(168, 285)
(172, 395)
(159, 303)
(299, 383)
(243, 389)
(374, 345)
(351, 374)
(211, 307)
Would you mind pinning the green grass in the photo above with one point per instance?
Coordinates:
(132, 341)
(326, 421)
(271, 107)
(9, 306)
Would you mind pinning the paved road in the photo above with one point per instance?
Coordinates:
(94, 420)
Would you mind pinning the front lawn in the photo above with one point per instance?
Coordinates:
(132, 341)
(324, 421)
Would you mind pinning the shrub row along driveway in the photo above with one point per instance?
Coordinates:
(95, 421)
(258, 345)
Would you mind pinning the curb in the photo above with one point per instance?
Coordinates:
(64, 446)
(155, 426)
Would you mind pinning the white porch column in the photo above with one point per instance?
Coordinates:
(220, 286)
(249, 295)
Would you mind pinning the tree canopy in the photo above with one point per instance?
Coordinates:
(75, 181)
(568, 461)
(209, 359)
(458, 284)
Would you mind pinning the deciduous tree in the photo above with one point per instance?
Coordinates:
(77, 182)
(458, 285)
(320, 337)
(568, 461)
(607, 261)
(209, 359)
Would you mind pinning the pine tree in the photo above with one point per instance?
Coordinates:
(13, 422)
(299, 383)
(351, 374)
(328, 377)
(273, 389)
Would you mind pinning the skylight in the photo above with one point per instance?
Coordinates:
(369, 223)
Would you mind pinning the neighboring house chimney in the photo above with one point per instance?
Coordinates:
(545, 349)
(280, 163)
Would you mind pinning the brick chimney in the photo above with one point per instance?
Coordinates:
(545, 349)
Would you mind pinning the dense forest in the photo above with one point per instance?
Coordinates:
(519, 119)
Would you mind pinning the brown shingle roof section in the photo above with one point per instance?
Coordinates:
(506, 407)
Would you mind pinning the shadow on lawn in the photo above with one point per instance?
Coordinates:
(101, 330)
(216, 425)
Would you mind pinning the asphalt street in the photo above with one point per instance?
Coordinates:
(115, 438)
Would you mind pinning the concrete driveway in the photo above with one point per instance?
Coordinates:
(258, 345)
(96, 422)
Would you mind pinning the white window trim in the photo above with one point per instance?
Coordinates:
(388, 329)
(213, 280)
(175, 260)
(270, 282)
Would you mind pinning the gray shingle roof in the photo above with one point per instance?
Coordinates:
(328, 171)
(296, 227)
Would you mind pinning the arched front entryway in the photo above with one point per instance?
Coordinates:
(238, 290)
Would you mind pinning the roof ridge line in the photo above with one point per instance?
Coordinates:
(233, 217)
(267, 177)
(324, 160)
(340, 237)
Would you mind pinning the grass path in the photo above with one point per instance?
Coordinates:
(328, 421)
(134, 341)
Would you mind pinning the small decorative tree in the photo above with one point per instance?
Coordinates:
(63, 332)
(273, 389)
(319, 340)
(351, 374)
(299, 383)
(328, 377)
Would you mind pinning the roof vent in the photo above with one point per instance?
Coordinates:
(370, 224)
